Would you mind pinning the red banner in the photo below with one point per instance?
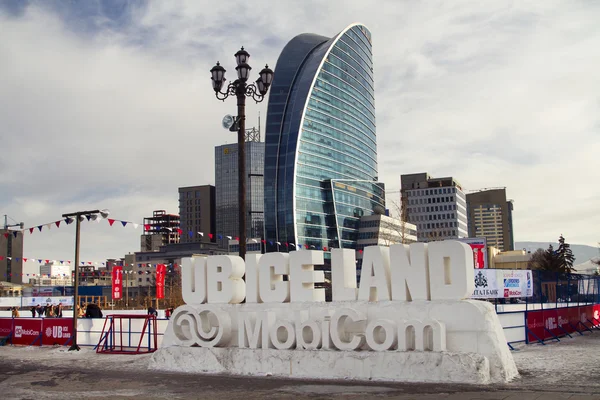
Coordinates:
(117, 283)
(6, 325)
(57, 331)
(161, 270)
(26, 331)
(545, 324)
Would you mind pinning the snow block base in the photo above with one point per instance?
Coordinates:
(409, 366)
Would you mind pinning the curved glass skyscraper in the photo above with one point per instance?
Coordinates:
(320, 151)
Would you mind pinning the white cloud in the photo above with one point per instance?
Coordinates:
(100, 114)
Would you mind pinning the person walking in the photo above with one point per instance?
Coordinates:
(15, 312)
(59, 310)
(32, 309)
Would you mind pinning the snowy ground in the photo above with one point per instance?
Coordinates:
(566, 369)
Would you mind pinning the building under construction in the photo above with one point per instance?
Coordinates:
(159, 230)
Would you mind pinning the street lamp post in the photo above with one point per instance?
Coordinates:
(78, 216)
(241, 90)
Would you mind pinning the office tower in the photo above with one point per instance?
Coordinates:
(490, 216)
(226, 190)
(437, 206)
(197, 213)
(321, 148)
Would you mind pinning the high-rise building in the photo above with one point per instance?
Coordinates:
(437, 206)
(490, 216)
(197, 213)
(11, 255)
(226, 190)
(159, 230)
(321, 148)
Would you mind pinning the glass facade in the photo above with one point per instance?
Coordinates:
(321, 152)
(226, 191)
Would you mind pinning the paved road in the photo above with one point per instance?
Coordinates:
(548, 372)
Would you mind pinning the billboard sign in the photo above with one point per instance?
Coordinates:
(502, 283)
(479, 247)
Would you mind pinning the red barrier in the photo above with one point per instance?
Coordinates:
(546, 324)
(37, 331)
(6, 325)
(26, 331)
(57, 331)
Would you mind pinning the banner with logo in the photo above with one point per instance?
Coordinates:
(502, 283)
(6, 325)
(44, 300)
(161, 270)
(57, 331)
(547, 324)
(117, 283)
(26, 331)
(479, 247)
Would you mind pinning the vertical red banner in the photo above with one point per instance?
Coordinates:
(161, 270)
(117, 283)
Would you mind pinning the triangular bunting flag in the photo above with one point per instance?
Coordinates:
(25, 260)
(9, 258)
(219, 236)
(264, 241)
(124, 223)
(6, 235)
(88, 217)
(111, 221)
(146, 227)
(47, 261)
(229, 237)
(135, 226)
(210, 235)
(1, 258)
(31, 230)
(17, 259)
(237, 238)
(40, 227)
(15, 233)
(201, 234)
(190, 233)
(179, 231)
(40, 261)
(49, 226)
(57, 224)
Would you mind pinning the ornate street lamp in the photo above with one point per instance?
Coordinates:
(241, 90)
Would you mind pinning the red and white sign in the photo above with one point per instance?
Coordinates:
(26, 331)
(57, 331)
(479, 247)
(161, 270)
(545, 324)
(117, 283)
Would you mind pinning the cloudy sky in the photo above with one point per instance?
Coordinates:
(108, 104)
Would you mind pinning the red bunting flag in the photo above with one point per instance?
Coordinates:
(47, 261)
(24, 259)
(324, 248)
(57, 224)
(6, 235)
(1, 258)
(179, 231)
(210, 235)
(111, 221)
(31, 230)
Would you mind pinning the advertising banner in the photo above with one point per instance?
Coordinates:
(117, 283)
(479, 247)
(161, 270)
(57, 331)
(5, 326)
(502, 283)
(26, 331)
(43, 300)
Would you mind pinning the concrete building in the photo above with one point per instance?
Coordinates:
(382, 230)
(514, 259)
(11, 255)
(321, 146)
(226, 190)
(197, 213)
(55, 269)
(437, 206)
(490, 216)
(159, 230)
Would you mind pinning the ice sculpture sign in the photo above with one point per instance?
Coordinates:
(409, 298)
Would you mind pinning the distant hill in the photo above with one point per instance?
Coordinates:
(581, 252)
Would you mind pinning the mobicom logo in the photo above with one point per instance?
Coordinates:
(20, 332)
(438, 271)
(407, 298)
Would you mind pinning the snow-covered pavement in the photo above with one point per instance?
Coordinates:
(558, 370)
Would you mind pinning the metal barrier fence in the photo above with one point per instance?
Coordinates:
(561, 305)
